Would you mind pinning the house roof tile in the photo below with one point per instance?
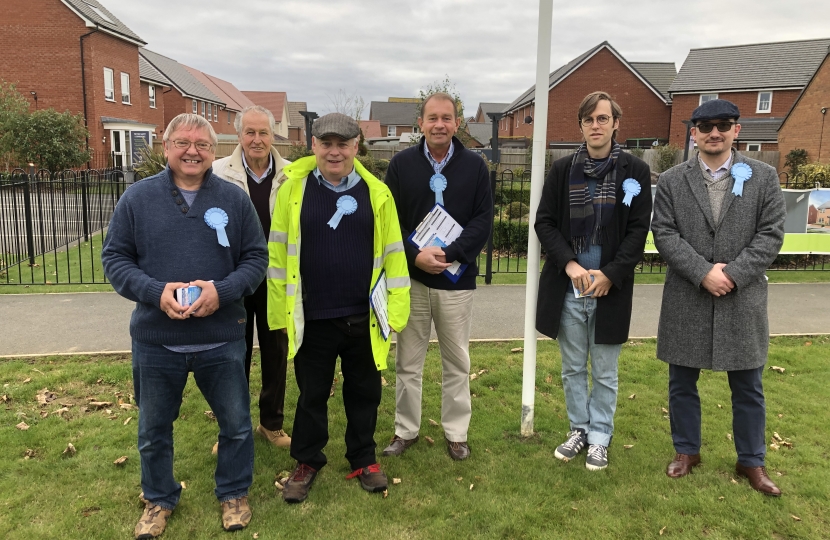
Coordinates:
(788, 64)
(94, 12)
(394, 113)
(181, 78)
(273, 101)
(295, 119)
(659, 74)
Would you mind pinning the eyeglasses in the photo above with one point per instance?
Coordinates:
(602, 119)
(182, 144)
(706, 127)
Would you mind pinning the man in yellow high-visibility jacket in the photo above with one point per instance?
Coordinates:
(334, 232)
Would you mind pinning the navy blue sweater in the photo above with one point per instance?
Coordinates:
(154, 239)
(467, 199)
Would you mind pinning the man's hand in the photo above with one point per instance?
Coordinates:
(428, 260)
(717, 282)
(208, 300)
(580, 277)
(168, 303)
(600, 286)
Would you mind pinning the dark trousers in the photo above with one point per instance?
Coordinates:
(314, 366)
(273, 354)
(748, 412)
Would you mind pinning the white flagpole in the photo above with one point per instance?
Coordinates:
(537, 178)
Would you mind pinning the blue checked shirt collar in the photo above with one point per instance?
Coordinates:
(438, 166)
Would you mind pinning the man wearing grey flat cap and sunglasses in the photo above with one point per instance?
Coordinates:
(718, 223)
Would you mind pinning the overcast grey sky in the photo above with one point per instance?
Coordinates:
(382, 48)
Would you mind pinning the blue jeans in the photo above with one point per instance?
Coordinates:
(591, 412)
(159, 378)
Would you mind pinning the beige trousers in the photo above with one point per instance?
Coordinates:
(452, 313)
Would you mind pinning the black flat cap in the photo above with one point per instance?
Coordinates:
(716, 109)
(337, 124)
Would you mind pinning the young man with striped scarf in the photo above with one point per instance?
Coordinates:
(592, 221)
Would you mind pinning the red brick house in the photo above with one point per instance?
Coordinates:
(763, 80)
(396, 116)
(189, 95)
(639, 88)
(296, 121)
(806, 126)
(234, 101)
(79, 57)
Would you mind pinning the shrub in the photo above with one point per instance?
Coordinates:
(510, 236)
(508, 192)
(637, 152)
(298, 151)
(796, 158)
(665, 157)
(516, 210)
(815, 172)
(151, 163)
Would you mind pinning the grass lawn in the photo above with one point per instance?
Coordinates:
(510, 487)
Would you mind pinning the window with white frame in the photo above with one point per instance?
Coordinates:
(764, 102)
(203, 108)
(391, 131)
(229, 117)
(109, 84)
(209, 111)
(195, 107)
(707, 97)
(753, 147)
(125, 88)
(216, 113)
(152, 90)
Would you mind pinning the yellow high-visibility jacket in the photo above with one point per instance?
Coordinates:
(285, 301)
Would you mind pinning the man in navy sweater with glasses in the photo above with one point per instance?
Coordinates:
(439, 170)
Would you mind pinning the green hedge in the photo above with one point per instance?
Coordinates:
(508, 192)
(510, 236)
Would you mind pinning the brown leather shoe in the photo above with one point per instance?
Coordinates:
(458, 450)
(758, 479)
(682, 465)
(398, 446)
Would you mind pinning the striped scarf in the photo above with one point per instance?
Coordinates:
(589, 218)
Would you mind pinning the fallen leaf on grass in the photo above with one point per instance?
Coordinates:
(210, 415)
(127, 421)
(396, 481)
(774, 446)
(574, 508)
(429, 440)
(184, 486)
(733, 480)
(86, 512)
(808, 343)
(721, 498)
(482, 371)
(70, 450)
(780, 416)
(795, 517)
(44, 414)
(39, 371)
(278, 485)
(788, 444)
(778, 369)
(460, 478)
(385, 493)
(473, 376)
(120, 461)
(665, 410)
(383, 382)
(662, 531)
(67, 405)
(729, 436)
(4, 398)
(99, 381)
(108, 411)
(27, 380)
(776, 436)
(28, 454)
(487, 450)
(126, 406)
(632, 396)
(22, 426)
(100, 404)
(256, 535)
(471, 486)
(628, 446)
(548, 379)
(720, 406)
(433, 422)
(778, 473)
(60, 411)
(517, 349)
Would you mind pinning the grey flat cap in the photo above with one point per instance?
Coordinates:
(338, 124)
(716, 109)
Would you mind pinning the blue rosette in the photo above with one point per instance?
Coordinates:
(217, 219)
(438, 183)
(631, 188)
(741, 172)
(346, 205)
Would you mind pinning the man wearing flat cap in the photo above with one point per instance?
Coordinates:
(718, 223)
(335, 237)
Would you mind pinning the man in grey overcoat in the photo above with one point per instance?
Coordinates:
(718, 223)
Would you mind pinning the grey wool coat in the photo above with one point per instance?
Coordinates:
(697, 329)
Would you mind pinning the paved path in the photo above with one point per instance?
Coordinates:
(93, 322)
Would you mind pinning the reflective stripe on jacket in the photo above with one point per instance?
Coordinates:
(285, 305)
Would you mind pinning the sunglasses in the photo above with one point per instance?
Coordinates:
(706, 127)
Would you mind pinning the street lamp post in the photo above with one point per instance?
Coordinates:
(309, 120)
